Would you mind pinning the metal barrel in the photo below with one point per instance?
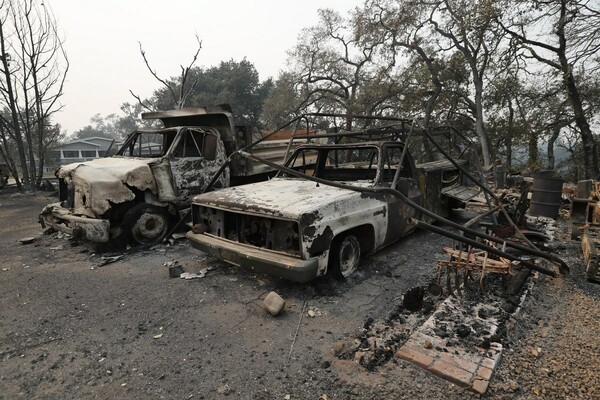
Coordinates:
(546, 196)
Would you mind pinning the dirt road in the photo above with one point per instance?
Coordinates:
(69, 329)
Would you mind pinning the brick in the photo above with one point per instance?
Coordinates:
(489, 362)
(480, 385)
(458, 361)
(414, 356)
(451, 373)
(474, 358)
(484, 373)
(420, 337)
(496, 346)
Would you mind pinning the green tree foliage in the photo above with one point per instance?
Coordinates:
(283, 102)
(234, 82)
(99, 127)
(114, 126)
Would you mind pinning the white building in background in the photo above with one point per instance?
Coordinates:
(86, 149)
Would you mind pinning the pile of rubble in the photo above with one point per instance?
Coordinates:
(460, 338)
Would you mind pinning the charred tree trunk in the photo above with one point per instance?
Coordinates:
(590, 152)
(39, 126)
(29, 137)
(430, 103)
(479, 125)
(348, 124)
(551, 141)
(5, 153)
(12, 104)
(509, 138)
(532, 149)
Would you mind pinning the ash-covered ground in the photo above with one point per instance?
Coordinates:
(70, 328)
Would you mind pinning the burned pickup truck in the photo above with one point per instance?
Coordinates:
(300, 228)
(137, 194)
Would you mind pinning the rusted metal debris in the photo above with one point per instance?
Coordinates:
(590, 245)
(471, 260)
(490, 248)
(585, 225)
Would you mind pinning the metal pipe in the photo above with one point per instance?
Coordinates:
(291, 141)
(404, 150)
(359, 117)
(481, 216)
(214, 179)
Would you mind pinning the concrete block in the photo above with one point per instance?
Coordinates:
(274, 303)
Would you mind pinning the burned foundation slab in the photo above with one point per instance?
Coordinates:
(467, 366)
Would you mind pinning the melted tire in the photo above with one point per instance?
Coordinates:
(146, 224)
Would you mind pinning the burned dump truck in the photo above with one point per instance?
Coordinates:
(138, 194)
(329, 205)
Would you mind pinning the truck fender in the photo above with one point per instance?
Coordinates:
(365, 234)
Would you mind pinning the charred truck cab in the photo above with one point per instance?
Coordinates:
(298, 229)
(137, 194)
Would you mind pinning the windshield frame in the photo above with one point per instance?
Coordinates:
(135, 134)
(323, 154)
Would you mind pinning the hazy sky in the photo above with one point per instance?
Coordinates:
(101, 40)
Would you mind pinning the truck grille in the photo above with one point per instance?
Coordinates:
(262, 232)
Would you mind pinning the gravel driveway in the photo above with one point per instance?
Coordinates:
(70, 329)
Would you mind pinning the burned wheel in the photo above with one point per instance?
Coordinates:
(146, 224)
(345, 256)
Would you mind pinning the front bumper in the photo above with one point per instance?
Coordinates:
(63, 220)
(256, 259)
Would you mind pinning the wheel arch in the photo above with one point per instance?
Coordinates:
(364, 233)
(363, 236)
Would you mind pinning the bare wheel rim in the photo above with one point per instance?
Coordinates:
(349, 255)
(149, 227)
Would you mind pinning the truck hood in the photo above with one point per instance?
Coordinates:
(99, 182)
(280, 197)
